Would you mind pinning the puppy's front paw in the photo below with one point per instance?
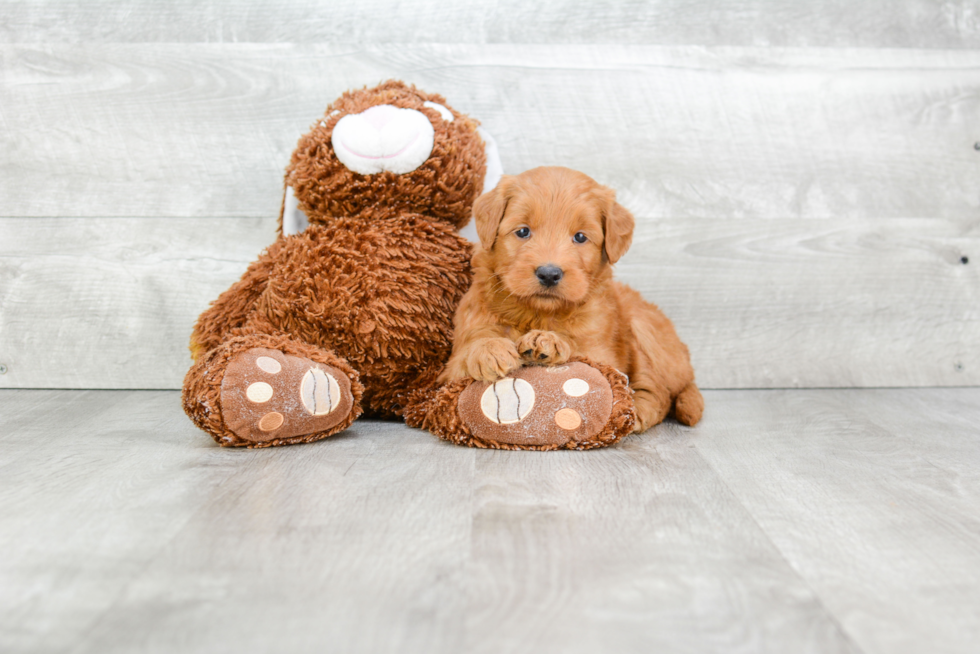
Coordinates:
(492, 359)
(548, 348)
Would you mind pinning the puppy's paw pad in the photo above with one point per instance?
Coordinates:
(268, 395)
(544, 347)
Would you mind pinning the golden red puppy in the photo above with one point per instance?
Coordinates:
(543, 291)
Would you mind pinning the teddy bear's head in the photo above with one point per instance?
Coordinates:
(388, 150)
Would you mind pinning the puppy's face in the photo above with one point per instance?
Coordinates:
(550, 233)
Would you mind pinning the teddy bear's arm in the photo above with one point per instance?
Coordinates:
(232, 308)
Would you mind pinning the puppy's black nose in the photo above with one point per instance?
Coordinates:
(549, 275)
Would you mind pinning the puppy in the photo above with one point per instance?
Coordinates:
(543, 291)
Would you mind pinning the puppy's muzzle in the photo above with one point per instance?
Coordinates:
(549, 275)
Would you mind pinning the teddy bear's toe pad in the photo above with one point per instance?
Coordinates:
(539, 406)
(267, 395)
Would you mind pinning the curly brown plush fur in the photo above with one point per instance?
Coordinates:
(382, 295)
(372, 284)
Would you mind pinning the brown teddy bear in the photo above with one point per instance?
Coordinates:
(350, 310)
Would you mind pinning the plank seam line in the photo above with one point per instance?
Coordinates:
(218, 493)
(830, 614)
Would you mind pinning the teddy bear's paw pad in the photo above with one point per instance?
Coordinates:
(539, 406)
(268, 395)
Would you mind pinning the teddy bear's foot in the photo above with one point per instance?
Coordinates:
(261, 390)
(578, 405)
(267, 395)
(538, 406)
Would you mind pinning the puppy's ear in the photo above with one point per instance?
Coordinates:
(617, 225)
(488, 211)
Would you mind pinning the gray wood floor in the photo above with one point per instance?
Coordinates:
(788, 521)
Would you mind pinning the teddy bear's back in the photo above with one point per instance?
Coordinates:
(382, 294)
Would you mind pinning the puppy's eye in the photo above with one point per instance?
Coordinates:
(523, 232)
(580, 237)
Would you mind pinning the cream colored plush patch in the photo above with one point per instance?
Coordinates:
(269, 365)
(575, 387)
(320, 392)
(383, 138)
(507, 401)
(259, 392)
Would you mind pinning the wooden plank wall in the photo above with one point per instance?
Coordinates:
(804, 176)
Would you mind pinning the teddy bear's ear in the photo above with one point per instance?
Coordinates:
(292, 220)
(617, 226)
(495, 169)
(488, 211)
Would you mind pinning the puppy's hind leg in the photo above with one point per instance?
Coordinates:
(652, 405)
(689, 405)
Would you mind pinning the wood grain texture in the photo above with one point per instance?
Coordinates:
(870, 23)
(126, 528)
(640, 548)
(872, 497)
(802, 520)
(206, 129)
(103, 472)
(381, 539)
(109, 303)
(817, 303)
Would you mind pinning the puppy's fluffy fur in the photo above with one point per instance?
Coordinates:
(516, 313)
